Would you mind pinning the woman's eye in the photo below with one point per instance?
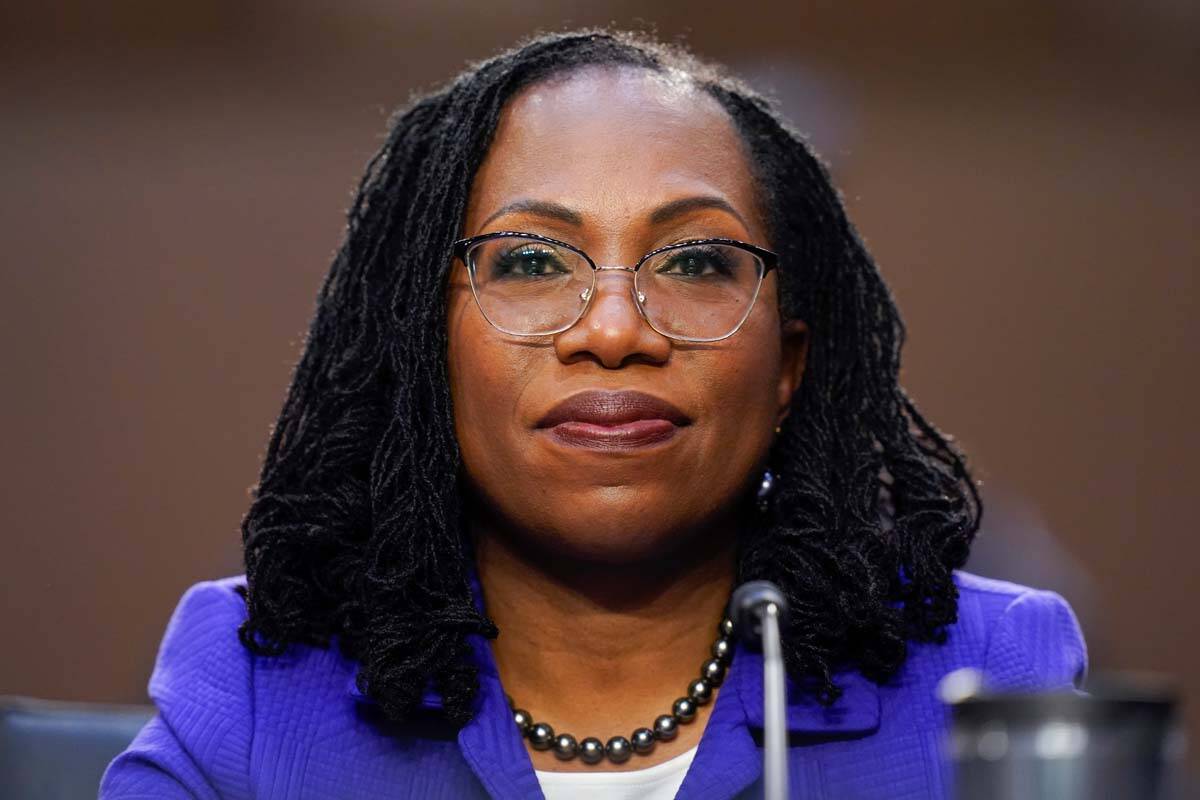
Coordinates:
(695, 263)
(527, 262)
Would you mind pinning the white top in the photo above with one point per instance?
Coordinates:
(659, 782)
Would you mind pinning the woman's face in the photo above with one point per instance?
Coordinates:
(613, 146)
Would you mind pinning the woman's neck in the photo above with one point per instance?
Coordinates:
(600, 649)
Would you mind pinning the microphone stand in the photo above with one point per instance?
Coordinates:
(758, 608)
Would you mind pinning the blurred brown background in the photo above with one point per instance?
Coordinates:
(174, 177)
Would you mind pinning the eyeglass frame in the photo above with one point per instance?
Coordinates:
(769, 259)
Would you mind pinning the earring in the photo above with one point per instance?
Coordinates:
(765, 489)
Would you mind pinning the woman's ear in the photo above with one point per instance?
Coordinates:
(794, 356)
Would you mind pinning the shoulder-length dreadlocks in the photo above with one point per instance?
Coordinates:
(354, 533)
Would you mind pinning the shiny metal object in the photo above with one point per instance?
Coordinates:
(759, 610)
(1120, 742)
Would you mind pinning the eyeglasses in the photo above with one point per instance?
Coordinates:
(695, 291)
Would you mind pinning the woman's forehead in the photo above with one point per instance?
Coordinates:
(613, 143)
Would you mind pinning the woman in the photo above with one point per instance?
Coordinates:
(600, 344)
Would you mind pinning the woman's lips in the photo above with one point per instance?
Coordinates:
(613, 420)
(638, 433)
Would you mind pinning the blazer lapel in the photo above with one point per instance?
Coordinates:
(493, 747)
(729, 759)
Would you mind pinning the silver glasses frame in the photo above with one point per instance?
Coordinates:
(462, 249)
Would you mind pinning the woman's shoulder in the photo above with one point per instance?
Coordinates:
(204, 611)
(1023, 638)
(202, 688)
(201, 661)
(216, 597)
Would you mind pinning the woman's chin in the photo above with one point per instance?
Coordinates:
(625, 542)
(634, 524)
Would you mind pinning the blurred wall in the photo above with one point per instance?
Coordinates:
(174, 182)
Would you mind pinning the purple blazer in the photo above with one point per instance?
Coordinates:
(232, 725)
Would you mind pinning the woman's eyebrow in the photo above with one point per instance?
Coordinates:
(685, 205)
(664, 213)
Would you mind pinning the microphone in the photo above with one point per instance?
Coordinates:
(757, 609)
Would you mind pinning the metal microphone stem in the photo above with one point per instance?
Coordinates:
(775, 768)
(759, 610)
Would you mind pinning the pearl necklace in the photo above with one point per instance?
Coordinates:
(618, 749)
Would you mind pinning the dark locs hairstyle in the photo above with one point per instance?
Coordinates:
(354, 534)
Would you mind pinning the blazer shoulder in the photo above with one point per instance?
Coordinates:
(218, 595)
(1031, 637)
(203, 672)
(970, 583)
(198, 743)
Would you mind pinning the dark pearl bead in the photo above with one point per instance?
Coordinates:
(541, 736)
(725, 628)
(665, 727)
(565, 746)
(523, 719)
(713, 671)
(684, 709)
(722, 650)
(643, 740)
(618, 749)
(700, 691)
(591, 750)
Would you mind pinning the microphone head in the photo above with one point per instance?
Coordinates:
(749, 603)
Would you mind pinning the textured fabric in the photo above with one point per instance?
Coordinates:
(659, 782)
(232, 725)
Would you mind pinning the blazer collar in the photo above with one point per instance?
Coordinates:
(857, 711)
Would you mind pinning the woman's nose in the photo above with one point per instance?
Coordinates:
(612, 330)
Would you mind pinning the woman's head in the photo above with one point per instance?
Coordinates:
(407, 402)
(617, 161)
